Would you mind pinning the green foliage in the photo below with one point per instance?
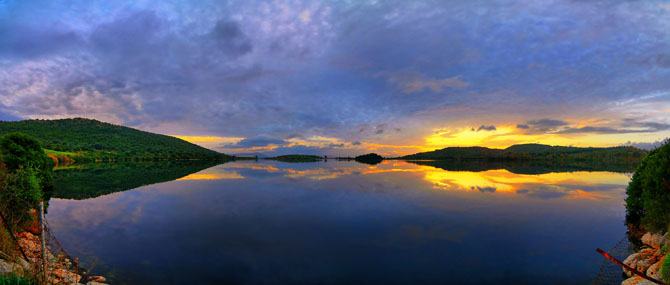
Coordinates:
(370, 158)
(90, 140)
(296, 158)
(534, 152)
(665, 270)
(19, 151)
(21, 192)
(15, 280)
(25, 184)
(648, 201)
(96, 179)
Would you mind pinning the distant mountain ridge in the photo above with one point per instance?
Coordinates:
(91, 140)
(532, 151)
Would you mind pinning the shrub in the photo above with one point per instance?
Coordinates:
(18, 150)
(648, 201)
(665, 270)
(20, 192)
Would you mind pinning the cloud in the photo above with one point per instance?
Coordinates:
(543, 125)
(486, 128)
(522, 126)
(601, 130)
(257, 141)
(228, 36)
(329, 68)
(484, 189)
(646, 145)
(29, 41)
(4, 116)
(435, 85)
(642, 127)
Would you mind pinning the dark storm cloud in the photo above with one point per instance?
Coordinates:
(484, 189)
(4, 116)
(486, 128)
(629, 127)
(257, 141)
(329, 68)
(542, 126)
(228, 36)
(29, 41)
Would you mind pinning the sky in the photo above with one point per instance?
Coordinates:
(345, 77)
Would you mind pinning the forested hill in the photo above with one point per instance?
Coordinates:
(533, 151)
(85, 139)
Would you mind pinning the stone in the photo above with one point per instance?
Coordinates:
(654, 271)
(6, 267)
(24, 264)
(637, 280)
(10, 268)
(97, 279)
(65, 276)
(653, 240)
(642, 260)
(631, 261)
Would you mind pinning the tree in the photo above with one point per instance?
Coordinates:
(649, 191)
(21, 151)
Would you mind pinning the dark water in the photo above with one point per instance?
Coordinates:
(339, 222)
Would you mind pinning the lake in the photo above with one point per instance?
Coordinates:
(338, 222)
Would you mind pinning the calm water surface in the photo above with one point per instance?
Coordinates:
(345, 222)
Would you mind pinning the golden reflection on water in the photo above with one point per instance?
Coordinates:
(212, 176)
(567, 185)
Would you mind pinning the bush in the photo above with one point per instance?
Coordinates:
(26, 174)
(18, 150)
(20, 192)
(665, 270)
(648, 201)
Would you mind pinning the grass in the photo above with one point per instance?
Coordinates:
(665, 270)
(55, 152)
(15, 280)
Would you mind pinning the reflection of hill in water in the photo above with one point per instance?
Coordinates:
(93, 180)
(527, 166)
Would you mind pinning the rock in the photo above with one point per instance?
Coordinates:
(65, 276)
(10, 268)
(642, 260)
(24, 264)
(654, 240)
(30, 244)
(631, 261)
(6, 267)
(654, 271)
(97, 279)
(637, 280)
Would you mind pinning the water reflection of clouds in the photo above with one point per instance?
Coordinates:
(567, 185)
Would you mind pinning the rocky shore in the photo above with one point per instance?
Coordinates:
(59, 268)
(648, 259)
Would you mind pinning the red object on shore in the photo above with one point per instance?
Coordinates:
(606, 255)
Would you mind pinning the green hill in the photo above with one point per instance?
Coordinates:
(92, 140)
(96, 179)
(533, 152)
